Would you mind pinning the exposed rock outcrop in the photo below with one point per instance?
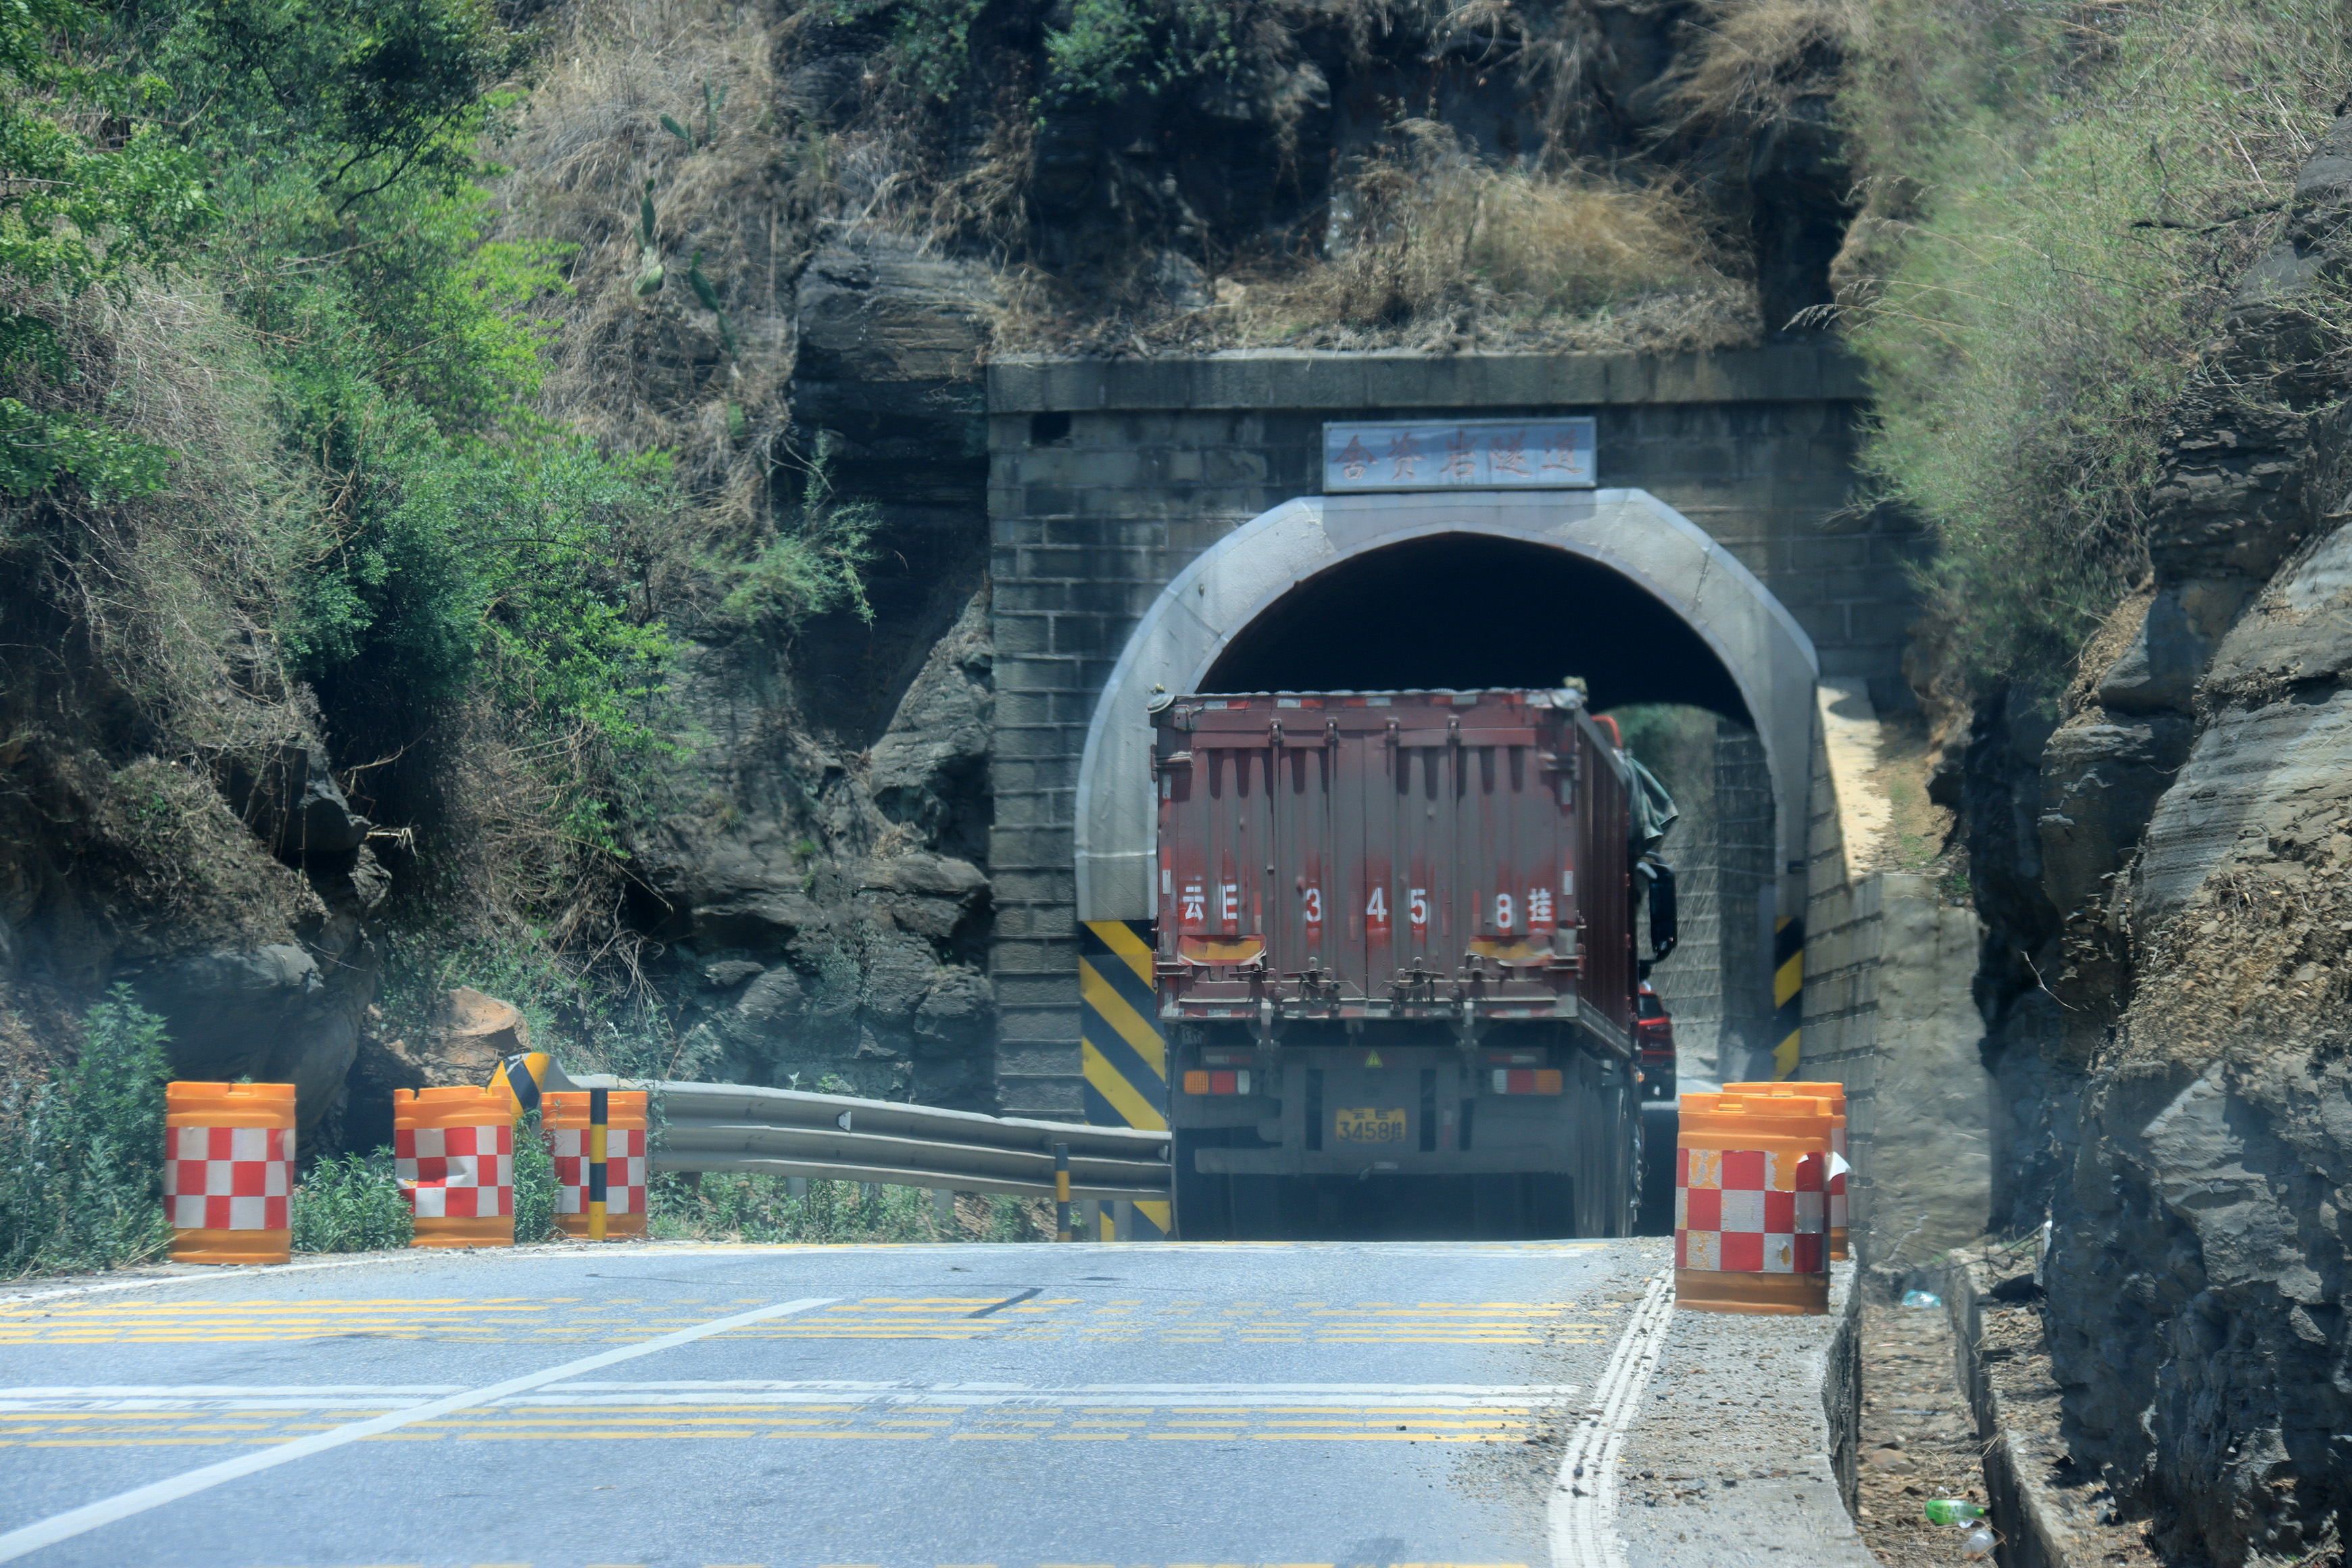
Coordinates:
(231, 888)
(826, 907)
(2171, 963)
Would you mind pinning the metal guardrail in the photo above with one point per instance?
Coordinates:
(790, 1133)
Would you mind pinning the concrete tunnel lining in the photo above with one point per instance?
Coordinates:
(1628, 531)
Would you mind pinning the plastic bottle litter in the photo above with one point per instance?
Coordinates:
(1977, 1544)
(1953, 1511)
(1922, 1298)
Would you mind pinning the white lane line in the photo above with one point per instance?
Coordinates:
(76, 1521)
(1583, 1511)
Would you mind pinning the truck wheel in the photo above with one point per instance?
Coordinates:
(1659, 1124)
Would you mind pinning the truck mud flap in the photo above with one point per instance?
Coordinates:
(1119, 1046)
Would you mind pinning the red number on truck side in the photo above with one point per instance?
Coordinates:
(1505, 912)
(1376, 911)
(1314, 900)
(1417, 909)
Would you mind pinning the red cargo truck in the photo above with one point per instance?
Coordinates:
(1396, 940)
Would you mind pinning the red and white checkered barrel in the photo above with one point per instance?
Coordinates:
(453, 1152)
(228, 1171)
(564, 1116)
(1751, 1204)
(1834, 1093)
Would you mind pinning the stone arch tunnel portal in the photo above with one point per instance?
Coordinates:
(1379, 592)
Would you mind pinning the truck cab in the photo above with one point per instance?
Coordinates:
(1653, 1026)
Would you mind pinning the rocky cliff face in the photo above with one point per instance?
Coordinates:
(216, 868)
(2166, 863)
(824, 904)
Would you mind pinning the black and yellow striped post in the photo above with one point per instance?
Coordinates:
(1119, 1047)
(522, 1077)
(1788, 994)
(1061, 1192)
(599, 1109)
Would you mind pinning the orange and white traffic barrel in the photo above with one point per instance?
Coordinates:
(569, 1119)
(1841, 1166)
(1751, 1204)
(228, 1171)
(453, 1152)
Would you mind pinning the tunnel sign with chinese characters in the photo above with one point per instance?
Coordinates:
(1464, 455)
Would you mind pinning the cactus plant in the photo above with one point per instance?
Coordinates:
(711, 104)
(650, 267)
(709, 298)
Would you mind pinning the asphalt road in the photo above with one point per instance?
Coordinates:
(892, 1407)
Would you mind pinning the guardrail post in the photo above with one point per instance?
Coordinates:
(1061, 1192)
(796, 1186)
(1122, 1220)
(943, 1205)
(1090, 1219)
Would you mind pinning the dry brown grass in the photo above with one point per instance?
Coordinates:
(1756, 55)
(638, 374)
(1434, 250)
(1431, 227)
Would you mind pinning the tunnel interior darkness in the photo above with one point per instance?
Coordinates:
(1468, 610)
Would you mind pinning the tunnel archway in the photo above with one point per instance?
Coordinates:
(1471, 610)
(1322, 592)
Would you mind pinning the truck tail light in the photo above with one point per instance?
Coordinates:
(1237, 1082)
(1526, 1080)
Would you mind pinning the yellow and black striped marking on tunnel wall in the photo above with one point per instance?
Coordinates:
(1788, 994)
(1119, 1047)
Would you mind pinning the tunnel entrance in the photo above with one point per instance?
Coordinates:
(1469, 610)
(1387, 591)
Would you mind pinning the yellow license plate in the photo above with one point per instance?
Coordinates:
(1364, 1125)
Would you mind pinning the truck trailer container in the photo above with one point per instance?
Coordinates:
(1396, 940)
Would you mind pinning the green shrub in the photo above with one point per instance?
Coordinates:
(759, 1208)
(2061, 203)
(1012, 1219)
(351, 1205)
(534, 1183)
(81, 1157)
(815, 564)
(354, 1204)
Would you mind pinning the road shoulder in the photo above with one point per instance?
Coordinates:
(1736, 1453)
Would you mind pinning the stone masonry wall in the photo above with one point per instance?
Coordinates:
(1106, 477)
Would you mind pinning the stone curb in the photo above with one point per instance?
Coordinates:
(2024, 1514)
